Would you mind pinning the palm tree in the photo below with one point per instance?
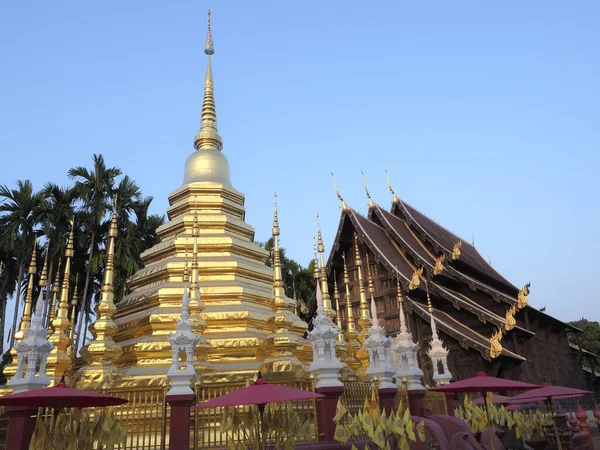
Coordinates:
(94, 189)
(19, 215)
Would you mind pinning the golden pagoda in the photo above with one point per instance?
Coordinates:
(239, 316)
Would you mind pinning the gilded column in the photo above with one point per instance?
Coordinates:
(54, 300)
(281, 344)
(26, 317)
(59, 359)
(364, 322)
(342, 346)
(74, 301)
(329, 312)
(351, 333)
(101, 352)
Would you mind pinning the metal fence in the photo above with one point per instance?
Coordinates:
(436, 402)
(206, 422)
(3, 428)
(355, 393)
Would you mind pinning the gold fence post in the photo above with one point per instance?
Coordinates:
(163, 430)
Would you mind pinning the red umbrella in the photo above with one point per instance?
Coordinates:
(260, 393)
(484, 383)
(548, 392)
(60, 396)
(496, 399)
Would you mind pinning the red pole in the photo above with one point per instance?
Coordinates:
(21, 426)
(326, 411)
(179, 431)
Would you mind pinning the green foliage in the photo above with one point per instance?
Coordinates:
(47, 214)
(589, 338)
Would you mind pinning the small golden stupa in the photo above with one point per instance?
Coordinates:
(238, 305)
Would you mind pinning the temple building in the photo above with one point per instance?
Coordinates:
(484, 320)
(237, 303)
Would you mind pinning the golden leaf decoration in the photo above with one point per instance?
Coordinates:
(439, 264)
(416, 279)
(510, 318)
(522, 296)
(456, 250)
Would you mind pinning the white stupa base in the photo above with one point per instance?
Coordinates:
(441, 379)
(181, 380)
(326, 373)
(384, 376)
(413, 379)
(28, 383)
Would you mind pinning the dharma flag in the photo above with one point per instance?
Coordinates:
(341, 434)
(421, 431)
(340, 411)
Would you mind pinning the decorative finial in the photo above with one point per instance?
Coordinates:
(416, 279)
(439, 264)
(316, 271)
(44, 276)
(367, 189)
(429, 307)
(209, 48)
(329, 312)
(522, 296)
(395, 198)
(208, 136)
(344, 206)
(456, 250)
(275, 216)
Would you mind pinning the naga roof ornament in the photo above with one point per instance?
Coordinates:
(337, 192)
(416, 279)
(395, 198)
(495, 346)
(456, 250)
(439, 264)
(522, 296)
(510, 318)
(371, 203)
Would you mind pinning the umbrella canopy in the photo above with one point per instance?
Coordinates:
(60, 396)
(260, 393)
(484, 383)
(497, 399)
(548, 392)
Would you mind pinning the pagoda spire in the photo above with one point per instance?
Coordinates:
(196, 305)
(60, 359)
(438, 354)
(74, 302)
(208, 136)
(364, 321)
(101, 352)
(53, 301)
(342, 345)
(316, 271)
(351, 333)
(329, 312)
(281, 343)
(26, 317)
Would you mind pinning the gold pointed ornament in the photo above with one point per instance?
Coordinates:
(26, 317)
(337, 192)
(439, 264)
(495, 346)
(456, 250)
(395, 198)
(522, 296)
(415, 281)
(510, 318)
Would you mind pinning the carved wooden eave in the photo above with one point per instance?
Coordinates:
(400, 208)
(461, 333)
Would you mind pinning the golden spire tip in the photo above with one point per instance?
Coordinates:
(344, 207)
(395, 198)
(367, 189)
(209, 48)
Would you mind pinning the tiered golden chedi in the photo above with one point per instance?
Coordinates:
(246, 321)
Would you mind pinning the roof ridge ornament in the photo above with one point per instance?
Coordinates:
(439, 264)
(416, 279)
(371, 203)
(344, 206)
(456, 250)
(395, 198)
(522, 296)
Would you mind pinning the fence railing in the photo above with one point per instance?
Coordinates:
(436, 402)
(355, 393)
(3, 428)
(206, 422)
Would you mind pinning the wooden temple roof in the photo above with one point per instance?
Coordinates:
(444, 240)
(463, 334)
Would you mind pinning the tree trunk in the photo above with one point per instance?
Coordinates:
(17, 298)
(84, 299)
(2, 322)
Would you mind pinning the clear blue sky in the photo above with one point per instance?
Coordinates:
(484, 113)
